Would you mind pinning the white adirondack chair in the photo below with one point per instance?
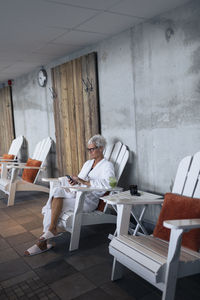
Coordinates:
(14, 184)
(72, 221)
(158, 261)
(15, 146)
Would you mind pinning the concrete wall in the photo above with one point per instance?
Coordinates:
(149, 83)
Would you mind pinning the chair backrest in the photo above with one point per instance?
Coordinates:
(118, 154)
(16, 145)
(41, 151)
(187, 181)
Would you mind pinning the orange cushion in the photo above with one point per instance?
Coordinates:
(179, 207)
(8, 156)
(102, 204)
(30, 174)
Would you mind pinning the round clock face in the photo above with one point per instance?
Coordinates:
(42, 77)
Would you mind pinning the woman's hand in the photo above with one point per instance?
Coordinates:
(81, 181)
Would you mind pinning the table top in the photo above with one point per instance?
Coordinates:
(91, 189)
(126, 198)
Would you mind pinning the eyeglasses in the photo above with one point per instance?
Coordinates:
(91, 149)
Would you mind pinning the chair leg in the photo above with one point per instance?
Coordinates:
(172, 264)
(117, 270)
(75, 234)
(11, 196)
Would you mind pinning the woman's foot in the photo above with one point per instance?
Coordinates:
(49, 235)
(38, 248)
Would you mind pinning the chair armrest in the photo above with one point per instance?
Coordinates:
(26, 167)
(8, 160)
(50, 179)
(186, 224)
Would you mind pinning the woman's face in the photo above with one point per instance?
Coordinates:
(94, 151)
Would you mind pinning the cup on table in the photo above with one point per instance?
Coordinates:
(112, 182)
(133, 189)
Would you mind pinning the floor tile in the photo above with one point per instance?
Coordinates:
(13, 268)
(98, 274)
(20, 238)
(72, 286)
(112, 289)
(3, 244)
(34, 224)
(8, 255)
(96, 294)
(54, 271)
(14, 230)
(37, 232)
(17, 279)
(11, 231)
(84, 260)
(32, 288)
(42, 259)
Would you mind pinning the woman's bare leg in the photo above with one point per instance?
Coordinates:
(56, 208)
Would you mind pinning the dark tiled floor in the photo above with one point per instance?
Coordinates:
(59, 274)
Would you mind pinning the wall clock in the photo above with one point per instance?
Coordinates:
(42, 77)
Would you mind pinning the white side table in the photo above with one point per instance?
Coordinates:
(124, 202)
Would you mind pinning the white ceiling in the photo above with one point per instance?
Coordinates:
(36, 32)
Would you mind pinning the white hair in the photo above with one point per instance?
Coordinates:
(98, 140)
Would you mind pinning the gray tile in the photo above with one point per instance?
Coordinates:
(13, 268)
(33, 224)
(3, 244)
(8, 255)
(42, 259)
(54, 271)
(98, 274)
(96, 294)
(72, 286)
(112, 289)
(20, 238)
(84, 260)
(17, 279)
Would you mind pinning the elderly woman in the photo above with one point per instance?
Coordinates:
(95, 173)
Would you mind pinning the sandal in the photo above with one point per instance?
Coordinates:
(34, 250)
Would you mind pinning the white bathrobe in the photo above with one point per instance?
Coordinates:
(98, 177)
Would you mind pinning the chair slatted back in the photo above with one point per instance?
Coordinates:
(118, 154)
(41, 151)
(115, 152)
(187, 177)
(108, 151)
(192, 176)
(181, 175)
(16, 146)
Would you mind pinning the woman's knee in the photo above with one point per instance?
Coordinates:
(58, 192)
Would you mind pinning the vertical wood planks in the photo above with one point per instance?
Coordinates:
(6, 120)
(76, 111)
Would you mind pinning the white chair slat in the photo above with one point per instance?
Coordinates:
(119, 168)
(197, 189)
(115, 152)
(16, 145)
(181, 175)
(108, 151)
(192, 176)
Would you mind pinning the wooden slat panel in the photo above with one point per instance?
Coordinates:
(6, 120)
(79, 110)
(75, 111)
(56, 75)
